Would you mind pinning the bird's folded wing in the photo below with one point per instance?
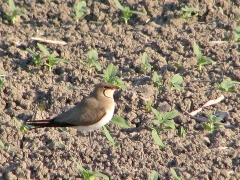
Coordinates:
(87, 112)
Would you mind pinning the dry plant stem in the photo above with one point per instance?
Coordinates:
(217, 42)
(48, 41)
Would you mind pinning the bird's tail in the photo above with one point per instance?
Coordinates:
(48, 123)
(41, 123)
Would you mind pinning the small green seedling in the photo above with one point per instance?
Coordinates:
(120, 122)
(93, 62)
(110, 75)
(42, 107)
(174, 174)
(177, 63)
(189, 12)
(36, 57)
(1, 79)
(157, 81)
(145, 64)
(175, 83)
(52, 60)
(15, 13)
(148, 107)
(61, 145)
(202, 60)
(80, 10)
(127, 13)
(211, 126)
(109, 137)
(89, 175)
(227, 86)
(157, 139)
(154, 176)
(237, 34)
(182, 132)
(2, 145)
(23, 128)
(164, 122)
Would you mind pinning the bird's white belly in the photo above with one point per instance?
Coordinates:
(100, 123)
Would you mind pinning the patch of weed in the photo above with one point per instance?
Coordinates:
(127, 13)
(148, 107)
(15, 14)
(93, 62)
(202, 60)
(146, 66)
(52, 60)
(23, 128)
(227, 86)
(189, 12)
(1, 79)
(36, 57)
(89, 175)
(174, 174)
(157, 81)
(164, 122)
(80, 10)
(211, 126)
(175, 82)
(110, 75)
(154, 176)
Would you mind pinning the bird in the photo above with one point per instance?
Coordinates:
(90, 114)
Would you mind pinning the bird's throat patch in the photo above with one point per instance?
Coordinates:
(108, 93)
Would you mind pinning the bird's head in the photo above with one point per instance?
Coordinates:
(104, 89)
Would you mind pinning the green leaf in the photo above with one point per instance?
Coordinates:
(109, 137)
(237, 34)
(170, 124)
(31, 51)
(177, 79)
(92, 54)
(157, 139)
(190, 9)
(159, 116)
(120, 122)
(155, 78)
(169, 115)
(137, 12)
(119, 5)
(175, 176)
(154, 175)
(145, 58)
(196, 50)
(60, 60)
(2, 145)
(98, 174)
(1, 71)
(97, 65)
(17, 121)
(23, 128)
(81, 6)
(207, 127)
(110, 73)
(43, 49)
(156, 122)
(182, 132)
(11, 5)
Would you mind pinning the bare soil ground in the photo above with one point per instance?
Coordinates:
(161, 33)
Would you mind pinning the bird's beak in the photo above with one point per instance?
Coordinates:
(114, 88)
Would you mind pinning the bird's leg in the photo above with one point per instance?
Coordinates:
(90, 139)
